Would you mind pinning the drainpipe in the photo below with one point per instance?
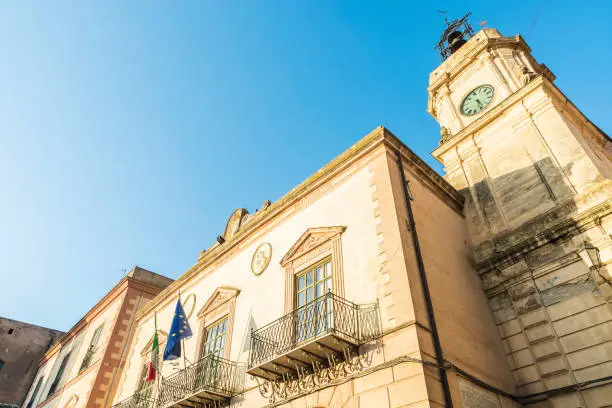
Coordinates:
(430, 311)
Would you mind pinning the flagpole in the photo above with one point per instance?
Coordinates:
(159, 369)
(183, 341)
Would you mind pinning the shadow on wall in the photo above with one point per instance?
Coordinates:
(531, 198)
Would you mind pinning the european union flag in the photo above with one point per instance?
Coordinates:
(179, 330)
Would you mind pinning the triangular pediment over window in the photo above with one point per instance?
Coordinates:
(312, 238)
(221, 295)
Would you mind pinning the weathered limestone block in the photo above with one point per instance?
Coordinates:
(521, 359)
(587, 337)
(582, 320)
(558, 381)
(590, 356)
(527, 304)
(516, 342)
(552, 366)
(540, 333)
(534, 318)
(526, 375)
(546, 349)
(496, 277)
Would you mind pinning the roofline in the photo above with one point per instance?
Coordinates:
(117, 290)
(377, 137)
(31, 324)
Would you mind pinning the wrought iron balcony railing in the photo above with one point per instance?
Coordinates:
(138, 400)
(209, 381)
(327, 325)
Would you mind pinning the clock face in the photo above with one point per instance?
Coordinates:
(477, 100)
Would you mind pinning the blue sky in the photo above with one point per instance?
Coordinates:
(129, 131)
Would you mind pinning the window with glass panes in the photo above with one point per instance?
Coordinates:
(314, 282)
(214, 342)
(58, 375)
(313, 318)
(92, 349)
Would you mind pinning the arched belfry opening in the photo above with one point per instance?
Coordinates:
(456, 34)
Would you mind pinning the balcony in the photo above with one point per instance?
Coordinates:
(138, 400)
(210, 381)
(315, 334)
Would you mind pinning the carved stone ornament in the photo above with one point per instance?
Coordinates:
(314, 376)
(189, 304)
(525, 75)
(261, 258)
(445, 134)
(311, 239)
(219, 297)
(72, 401)
(234, 222)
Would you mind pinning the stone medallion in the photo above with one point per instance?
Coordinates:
(189, 304)
(261, 258)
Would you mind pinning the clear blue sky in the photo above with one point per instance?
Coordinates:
(130, 130)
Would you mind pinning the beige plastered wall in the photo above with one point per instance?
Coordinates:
(378, 267)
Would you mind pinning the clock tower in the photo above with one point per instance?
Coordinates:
(535, 173)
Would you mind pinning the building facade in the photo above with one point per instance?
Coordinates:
(80, 369)
(378, 283)
(21, 347)
(317, 299)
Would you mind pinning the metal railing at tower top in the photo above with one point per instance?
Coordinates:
(211, 380)
(326, 321)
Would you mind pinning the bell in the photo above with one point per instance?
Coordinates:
(455, 40)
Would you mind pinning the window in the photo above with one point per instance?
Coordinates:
(314, 313)
(35, 393)
(314, 283)
(58, 376)
(214, 342)
(145, 388)
(315, 248)
(92, 349)
(216, 323)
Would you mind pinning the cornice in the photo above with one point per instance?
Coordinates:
(540, 81)
(442, 188)
(565, 229)
(102, 304)
(457, 63)
(379, 136)
(118, 290)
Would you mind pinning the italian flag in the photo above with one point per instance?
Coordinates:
(152, 372)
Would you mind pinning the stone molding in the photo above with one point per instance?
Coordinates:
(314, 245)
(564, 229)
(221, 304)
